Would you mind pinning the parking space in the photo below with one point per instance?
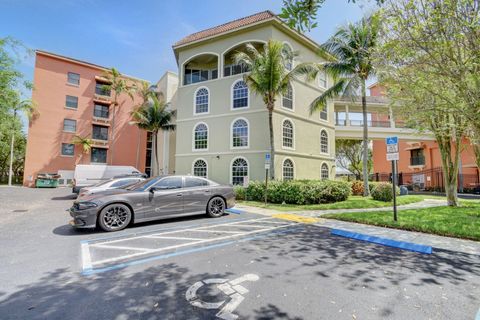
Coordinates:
(110, 253)
(239, 266)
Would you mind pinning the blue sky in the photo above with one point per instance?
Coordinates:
(136, 36)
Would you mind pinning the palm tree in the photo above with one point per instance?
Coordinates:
(270, 77)
(146, 94)
(117, 84)
(26, 107)
(349, 55)
(84, 142)
(154, 116)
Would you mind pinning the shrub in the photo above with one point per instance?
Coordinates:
(300, 191)
(255, 191)
(383, 192)
(372, 185)
(239, 192)
(357, 188)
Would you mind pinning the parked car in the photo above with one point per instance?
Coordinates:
(152, 199)
(114, 183)
(87, 175)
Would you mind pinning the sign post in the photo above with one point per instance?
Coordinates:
(267, 167)
(393, 156)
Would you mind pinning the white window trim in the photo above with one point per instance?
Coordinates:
(328, 141)
(294, 167)
(328, 167)
(320, 115)
(195, 101)
(293, 100)
(193, 166)
(231, 96)
(193, 137)
(182, 70)
(231, 134)
(231, 165)
(326, 81)
(294, 134)
(291, 49)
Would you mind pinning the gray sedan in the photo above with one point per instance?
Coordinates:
(152, 199)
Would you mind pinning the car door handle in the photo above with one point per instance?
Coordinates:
(179, 195)
(207, 191)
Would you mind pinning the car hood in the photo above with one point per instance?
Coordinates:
(102, 194)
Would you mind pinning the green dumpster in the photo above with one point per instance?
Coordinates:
(47, 180)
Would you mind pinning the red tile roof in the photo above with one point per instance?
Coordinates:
(232, 25)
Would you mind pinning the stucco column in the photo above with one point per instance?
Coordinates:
(347, 118)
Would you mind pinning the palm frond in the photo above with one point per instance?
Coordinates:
(334, 91)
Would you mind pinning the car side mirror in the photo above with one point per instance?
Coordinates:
(152, 189)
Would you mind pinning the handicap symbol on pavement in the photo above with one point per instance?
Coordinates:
(231, 288)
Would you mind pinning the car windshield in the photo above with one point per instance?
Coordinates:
(103, 183)
(144, 185)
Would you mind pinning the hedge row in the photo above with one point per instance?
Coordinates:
(296, 191)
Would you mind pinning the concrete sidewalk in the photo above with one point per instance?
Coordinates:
(439, 242)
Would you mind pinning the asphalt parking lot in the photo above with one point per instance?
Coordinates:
(240, 266)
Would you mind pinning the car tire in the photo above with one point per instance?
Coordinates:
(114, 217)
(216, 207)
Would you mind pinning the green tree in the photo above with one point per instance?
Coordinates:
(301, 15)
(84, 142)
(429, 62)
(348, 153)
(17, 107)
(154, 117)
(349, 55)
(270, 77)
(119, 85)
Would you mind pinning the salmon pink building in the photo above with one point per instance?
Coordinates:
(420, 162)
(71, 100)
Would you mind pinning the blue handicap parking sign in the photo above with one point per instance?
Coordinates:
(267, 156)
(392, 140)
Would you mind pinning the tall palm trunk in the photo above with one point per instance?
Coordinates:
(112, 147)
(365, 140)
(272, 140)
(155, 149)
(12, 144)
(10, 171)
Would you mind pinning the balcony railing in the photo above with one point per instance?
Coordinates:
(340, 122)
(194, 76)
(233, 69)
(417, 161)
(371, 123)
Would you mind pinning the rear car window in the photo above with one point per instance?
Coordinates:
(195, 182)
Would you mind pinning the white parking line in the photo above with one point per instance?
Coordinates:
(213, 231)
(106, 246)
(258, 226)
(86, 259)
(175, 238)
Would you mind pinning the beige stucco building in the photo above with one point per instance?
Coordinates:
(222, 128)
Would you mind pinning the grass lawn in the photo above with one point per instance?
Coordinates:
(461, 222)
(353, 202)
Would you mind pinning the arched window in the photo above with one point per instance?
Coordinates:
(287, 134)
(324, 141)
(287, 100)
(200, 168)
(201, 137)
(240, 95)
(240, 133)
(239, 171)
(324, 172)
(201, 100)
(288, 169)
(287, 54)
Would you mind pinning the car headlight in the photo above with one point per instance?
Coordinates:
(86, 205)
